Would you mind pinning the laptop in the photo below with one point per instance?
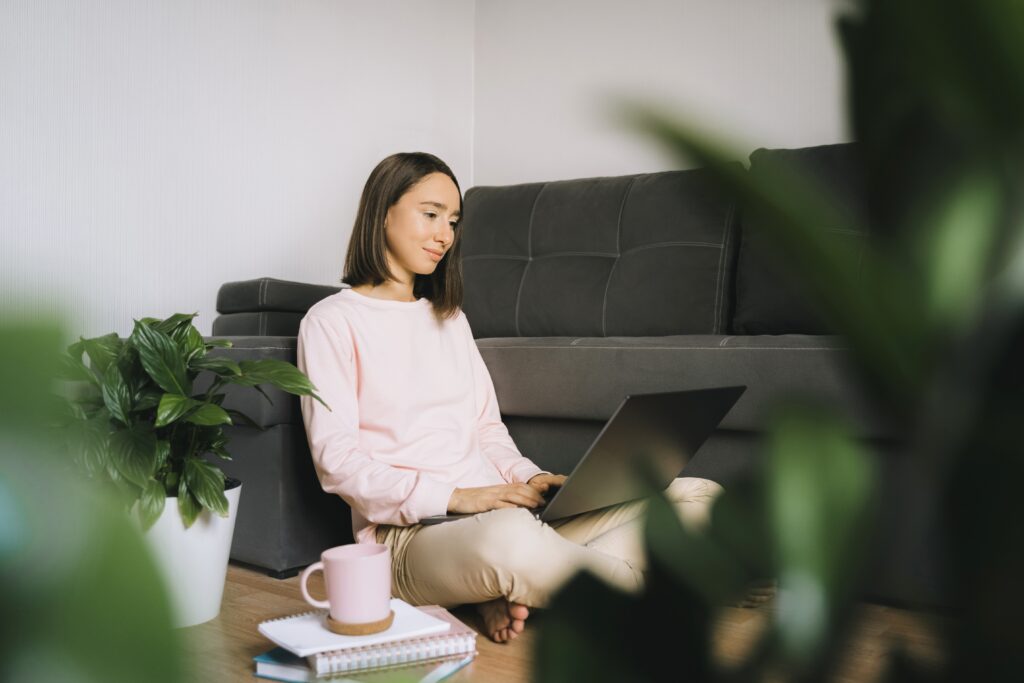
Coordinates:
(662, 430)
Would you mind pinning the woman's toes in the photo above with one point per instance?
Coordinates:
(517, 625)
(517, 611)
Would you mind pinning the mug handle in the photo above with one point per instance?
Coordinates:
(316, 566)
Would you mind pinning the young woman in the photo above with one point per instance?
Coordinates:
(414, 427)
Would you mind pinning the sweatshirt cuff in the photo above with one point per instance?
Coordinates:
(430, 497)
(525, 471)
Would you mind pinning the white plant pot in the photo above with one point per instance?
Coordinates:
(194, 561)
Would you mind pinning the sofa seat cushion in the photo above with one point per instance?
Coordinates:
(586, 378)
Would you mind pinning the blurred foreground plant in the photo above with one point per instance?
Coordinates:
(79, 593)
(936, 94)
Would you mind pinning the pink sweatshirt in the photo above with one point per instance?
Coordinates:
(413, 410)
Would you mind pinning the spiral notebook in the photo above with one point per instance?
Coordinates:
(457, 644)
(307, 633)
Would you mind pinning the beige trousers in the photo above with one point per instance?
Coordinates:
(509, 553)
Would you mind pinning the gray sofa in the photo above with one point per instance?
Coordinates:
(578, 292)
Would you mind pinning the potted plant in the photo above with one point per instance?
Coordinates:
(137, 426)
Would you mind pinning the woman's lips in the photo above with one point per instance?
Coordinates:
(433, 254)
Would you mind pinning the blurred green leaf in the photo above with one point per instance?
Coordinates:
(820, 482)
(792, 207)
(102, 351)
(694, 559)
(68, 558)
(133, 454)
(585, 635)
(73, 369)
(958, 243)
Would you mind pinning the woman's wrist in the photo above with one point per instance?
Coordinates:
(453, 501)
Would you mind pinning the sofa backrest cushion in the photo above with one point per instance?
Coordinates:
(639, 255)
(769, 298)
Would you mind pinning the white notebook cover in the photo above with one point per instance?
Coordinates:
(307, 634)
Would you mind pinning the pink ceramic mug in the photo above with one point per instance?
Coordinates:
(358, 578)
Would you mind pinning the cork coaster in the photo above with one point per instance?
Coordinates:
(360, 629)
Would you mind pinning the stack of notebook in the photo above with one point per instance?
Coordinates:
(419, 636)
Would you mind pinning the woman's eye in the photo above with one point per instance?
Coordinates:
(454, 224)
(432, 215)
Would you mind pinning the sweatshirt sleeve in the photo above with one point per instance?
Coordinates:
(381, 493)
(495, 441)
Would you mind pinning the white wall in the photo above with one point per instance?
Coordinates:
(151, 151)
(767, 72)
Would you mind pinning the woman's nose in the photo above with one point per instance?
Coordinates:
(446, 234)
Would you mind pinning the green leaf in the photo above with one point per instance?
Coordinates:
(71, 368)
(221, 453)
(116, 394)
(172, 407)
(151, 503)
(819, 484)
(218, 343)
(245, 418)
(217, 364)
(694, 559)
(162, 359)
(188, 506)
(147, 399)
(186, 337)
(878, 312)
(134, 454)
(89, 441)
(174, 324)
(958, 247)
(278, 373)
(163, 453)
(206, 483)
(208, 415)
(576, 642)
(102, 351)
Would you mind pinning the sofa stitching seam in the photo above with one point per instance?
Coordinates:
(529, 254)
(716, 323)
(618, 255)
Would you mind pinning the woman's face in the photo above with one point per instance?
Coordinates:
(420, 227)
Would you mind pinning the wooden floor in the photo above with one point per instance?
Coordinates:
(222, 650)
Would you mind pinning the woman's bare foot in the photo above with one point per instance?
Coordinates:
(503, 620)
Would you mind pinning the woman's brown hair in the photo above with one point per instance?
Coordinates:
(366, 260)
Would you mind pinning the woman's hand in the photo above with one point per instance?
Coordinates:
(542, 482)
(484, 498)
